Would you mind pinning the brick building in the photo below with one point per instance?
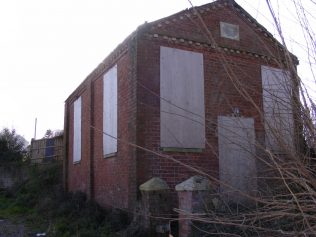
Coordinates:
(187, 87)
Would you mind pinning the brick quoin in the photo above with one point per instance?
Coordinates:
(114, 181)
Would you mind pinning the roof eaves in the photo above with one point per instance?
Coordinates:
(261, 28)
(110, 58)
(187, 13)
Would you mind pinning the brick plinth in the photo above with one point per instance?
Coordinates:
(156, 207)
(194, 196)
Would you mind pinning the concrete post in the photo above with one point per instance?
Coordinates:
(156, 203)
(194, 197)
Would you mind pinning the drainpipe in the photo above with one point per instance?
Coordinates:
(66, 147)
(92, 124)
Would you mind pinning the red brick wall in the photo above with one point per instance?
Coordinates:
(115, 180)
(189, 26)
(110, 181)
(78, 173)
(222, 91)
(112, 174)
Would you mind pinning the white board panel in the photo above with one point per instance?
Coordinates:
(229, 31)
(278, 110)
(77, 131)
(182, 116)
(237, 165)
(110, 111)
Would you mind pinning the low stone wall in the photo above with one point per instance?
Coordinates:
(11, 175)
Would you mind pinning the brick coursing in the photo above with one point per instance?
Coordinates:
(112, 174)
(232, 71)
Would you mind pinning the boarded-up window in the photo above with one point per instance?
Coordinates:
(110, 111)
(182, 117)
(278, 110)
(229, 31)
(77, 131)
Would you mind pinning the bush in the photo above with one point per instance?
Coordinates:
(45, 207)
(12, 146)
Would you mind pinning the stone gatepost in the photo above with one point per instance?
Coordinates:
(194, 197)
(156, 202)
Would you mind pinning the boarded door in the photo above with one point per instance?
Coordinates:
(237, 165)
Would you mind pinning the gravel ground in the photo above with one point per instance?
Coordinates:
(8, 229)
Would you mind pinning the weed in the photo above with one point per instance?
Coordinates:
(43, 206)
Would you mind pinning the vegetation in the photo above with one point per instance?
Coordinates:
(43, 206)
(50, 133)
(285, 204)
(12, 146)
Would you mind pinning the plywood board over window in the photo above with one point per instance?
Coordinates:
(278, 109)
(182, 116)
(77, 131)
(237, 164)
(110, 112)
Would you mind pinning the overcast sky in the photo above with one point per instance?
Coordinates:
(48, 47)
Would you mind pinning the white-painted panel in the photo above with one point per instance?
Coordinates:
(229, 31)
(77, 131)
(277, 107)
(110, 111)
(237, 165)
(182, 117)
